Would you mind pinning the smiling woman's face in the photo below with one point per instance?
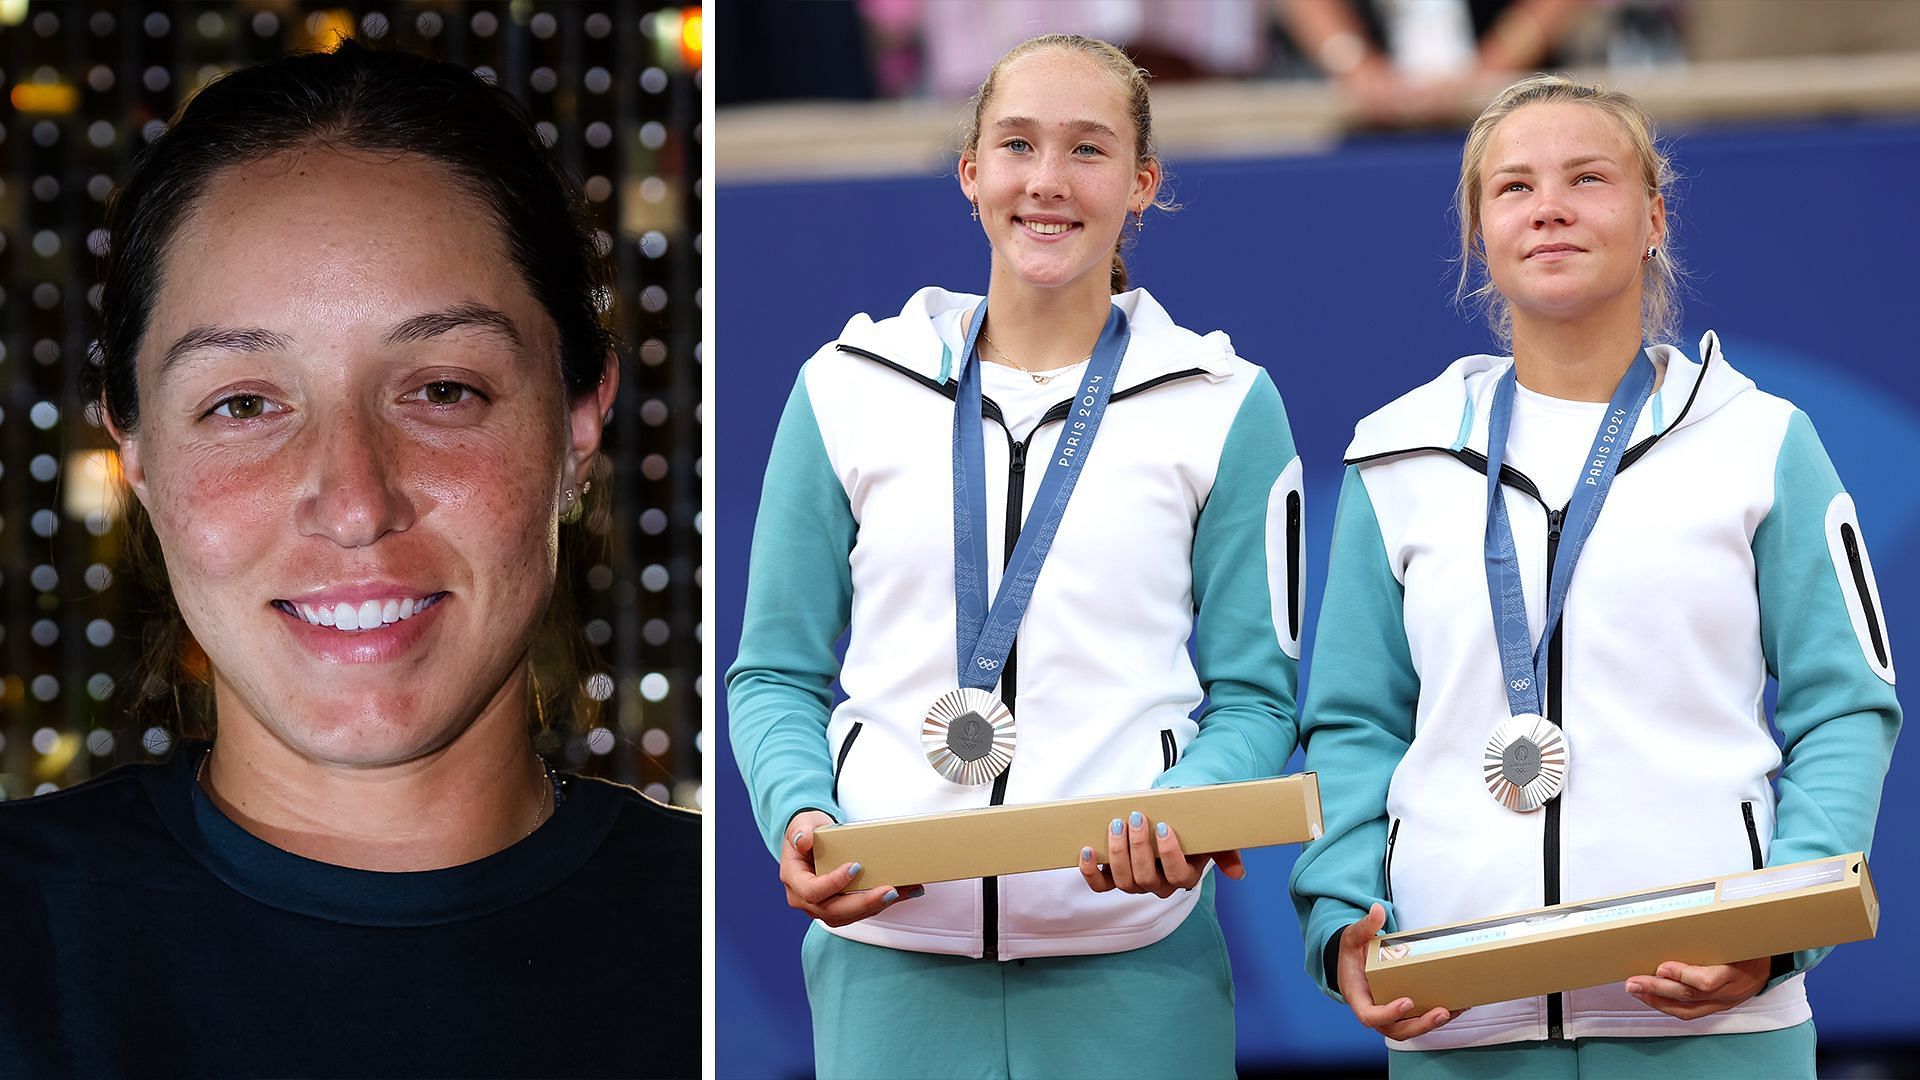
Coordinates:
(352, 444)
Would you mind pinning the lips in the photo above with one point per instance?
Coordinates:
(352, 616)
(1553, 249)
(1047, 226)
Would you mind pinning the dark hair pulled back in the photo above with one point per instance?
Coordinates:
(354, 98)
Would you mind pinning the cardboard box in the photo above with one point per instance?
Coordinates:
(1806, 905)
(998, 840)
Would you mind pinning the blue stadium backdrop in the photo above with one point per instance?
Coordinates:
(1333, 271)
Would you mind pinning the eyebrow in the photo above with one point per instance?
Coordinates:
(1077, 125)
(254, 339)
(1570, 163)
(459, 316)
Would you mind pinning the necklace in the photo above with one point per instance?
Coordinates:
(1030, 373)
(552, 793)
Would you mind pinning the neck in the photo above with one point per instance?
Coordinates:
(1577, 360)
(1045, 328)
(479, 794)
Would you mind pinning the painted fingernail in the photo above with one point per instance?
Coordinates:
(1134, 819)
(853, 871)
(1116, 826)
(1086, 854)
(1161, 830)
(916, 892)
(892, 895)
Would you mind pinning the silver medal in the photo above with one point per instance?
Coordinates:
(968, 735)
(1525, 763)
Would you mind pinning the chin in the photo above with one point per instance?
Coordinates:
(361, 732)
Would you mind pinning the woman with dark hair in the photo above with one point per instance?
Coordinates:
(355, 363)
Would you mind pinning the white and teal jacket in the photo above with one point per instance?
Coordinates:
(1185, 523)
(1728, 552)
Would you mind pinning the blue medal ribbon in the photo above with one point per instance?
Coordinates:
(1523, 663)
(983, 636)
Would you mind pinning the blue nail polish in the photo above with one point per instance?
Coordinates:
(1116, 826)
(916, 892)
(1086, 854)
(1161, 830)
(1136, 820)
(892, 895)
(853, 871)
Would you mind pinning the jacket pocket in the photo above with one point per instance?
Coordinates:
(1753, 835)
(1386, 867)
(840, 761)
(1169, 749)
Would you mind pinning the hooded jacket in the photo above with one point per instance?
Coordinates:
(1185, 523)
(1727, 553)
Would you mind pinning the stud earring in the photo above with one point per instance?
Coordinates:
(570, 507)
(1651, 252)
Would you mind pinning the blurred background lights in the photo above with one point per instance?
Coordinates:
(653, 686)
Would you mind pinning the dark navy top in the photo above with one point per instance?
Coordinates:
(144, 933)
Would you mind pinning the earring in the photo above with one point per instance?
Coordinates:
(1140, 220)
(976, 210)
(1651, 252)
(570, 507)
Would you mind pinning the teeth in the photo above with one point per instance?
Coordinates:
(1049, 228)
(365, 615)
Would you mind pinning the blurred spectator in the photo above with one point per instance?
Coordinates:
(1400, 61)
(941, 47)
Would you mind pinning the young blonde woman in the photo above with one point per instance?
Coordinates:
(922, 461)
(1549, 687)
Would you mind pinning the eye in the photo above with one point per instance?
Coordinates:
(1596, 177)
(243, 407)
(1087, 150)
(446, 392)
(1513, 185)
(1018, 146)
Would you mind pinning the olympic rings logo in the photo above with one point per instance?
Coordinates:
(1520, 684)
(985, 663)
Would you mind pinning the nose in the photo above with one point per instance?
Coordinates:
(1550, 208)
(1048, 178)
(353, 492)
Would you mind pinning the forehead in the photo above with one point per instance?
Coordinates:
(1059, 84)
(1556, 130)
(327, 238)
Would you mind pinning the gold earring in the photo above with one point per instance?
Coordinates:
(570, 507)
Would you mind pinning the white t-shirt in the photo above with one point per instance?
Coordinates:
(1022, 401)
(1548, 440)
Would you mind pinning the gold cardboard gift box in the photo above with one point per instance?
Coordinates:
(998, 840)
(1783, 909)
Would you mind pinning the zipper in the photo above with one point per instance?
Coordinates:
(1753, 835)
(1851, 541)
(1293, 565)
(1393, 834)
(840, 762)
(1550, 831)
(1169, 749)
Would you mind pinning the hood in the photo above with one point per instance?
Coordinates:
(1450, 413)
(911, 339)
